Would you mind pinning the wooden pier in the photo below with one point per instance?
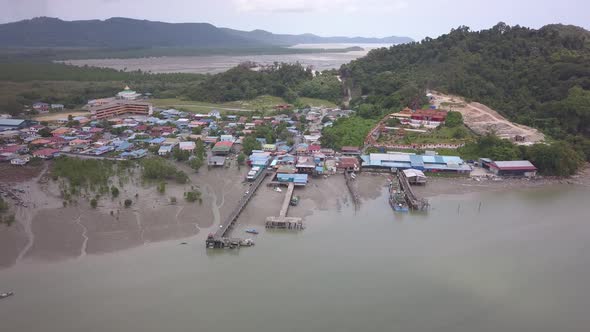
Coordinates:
(219, 239)
(414, 202)
(282, 221)
(353, 192)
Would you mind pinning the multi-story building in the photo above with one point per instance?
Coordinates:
(120, 107)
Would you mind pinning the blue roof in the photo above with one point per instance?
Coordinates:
(319, 169)
(295, 178)
(124, 146)
(157, 140)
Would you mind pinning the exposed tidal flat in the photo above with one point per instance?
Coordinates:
(219, 63)
(508, 258)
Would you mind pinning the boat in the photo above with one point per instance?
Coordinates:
(251, 231)
(5, 295)
(294, 200)
(247, 243)
(397, 199)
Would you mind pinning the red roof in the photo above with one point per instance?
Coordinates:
(45, 152)
(11, 148)
(227, 143)
(314, 147)
(350, 148)
(349, 162)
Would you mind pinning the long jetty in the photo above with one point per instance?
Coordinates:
(353, 192)
(414, 202)
(282, 221)
(220, 238)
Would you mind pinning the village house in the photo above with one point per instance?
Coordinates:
(41, 107)
(187, 146)
(47, 153)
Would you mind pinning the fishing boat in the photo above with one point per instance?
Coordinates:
(247, 243)
(397, 199)
(5, 295)
(251, 231)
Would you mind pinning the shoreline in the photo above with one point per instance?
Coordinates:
(45, 230)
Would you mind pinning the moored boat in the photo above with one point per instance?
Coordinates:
(251, 231)
(5, 295)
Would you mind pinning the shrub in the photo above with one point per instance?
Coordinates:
(128, 202)
(93, 203)
(114, 191)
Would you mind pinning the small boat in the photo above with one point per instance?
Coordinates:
(397, 199)
(5, 295)
(247, 243)
(251, 231)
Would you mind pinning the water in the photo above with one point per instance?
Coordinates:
(220, 63)
(520, 262)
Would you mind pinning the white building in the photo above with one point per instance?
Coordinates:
(128, 94)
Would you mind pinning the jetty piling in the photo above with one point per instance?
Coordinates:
(220, 239)
(282, 221)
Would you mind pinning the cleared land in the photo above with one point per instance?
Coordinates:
(482, 119)
(262, 103)
(60, 115)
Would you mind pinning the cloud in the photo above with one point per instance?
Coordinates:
(307, 6)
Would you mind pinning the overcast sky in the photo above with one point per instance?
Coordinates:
(369, 18)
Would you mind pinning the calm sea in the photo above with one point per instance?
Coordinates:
(519, 261)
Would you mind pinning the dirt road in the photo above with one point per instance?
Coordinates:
(482, 119)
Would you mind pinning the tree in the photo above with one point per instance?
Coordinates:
(249, 144)
(454, 119)
(555, 159)
(128, 202)
(180, 155)
(196, 163)
(161, 187)
(114, 192)
(44, 132)
(93, 203)
(241, 159)
(193, 196)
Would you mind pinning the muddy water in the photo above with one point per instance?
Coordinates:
(509, 261)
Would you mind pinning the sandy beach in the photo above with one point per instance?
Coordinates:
(45, 230)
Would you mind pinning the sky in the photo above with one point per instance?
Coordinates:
(367, 18)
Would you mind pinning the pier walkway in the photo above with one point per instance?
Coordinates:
(282, 221)
(414, 202)
(220, 239)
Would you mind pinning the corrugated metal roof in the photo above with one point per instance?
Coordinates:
(515, 164)
(11, 122)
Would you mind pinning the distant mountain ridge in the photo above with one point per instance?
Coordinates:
(120, 32)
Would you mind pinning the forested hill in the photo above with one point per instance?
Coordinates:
(125, 33)
(536, 77)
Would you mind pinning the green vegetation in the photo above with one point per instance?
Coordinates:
(161, 187)
(114, 192)
(551, 159)
(539, 77)
(159, 169)
(5, 218)
(346, 132)
(249, 144)
(454, 119)
(128, 202)
(193, 196)
(93, 203)
(288, 81)
(241, 159)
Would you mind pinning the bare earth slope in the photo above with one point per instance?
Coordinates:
(482, 119)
